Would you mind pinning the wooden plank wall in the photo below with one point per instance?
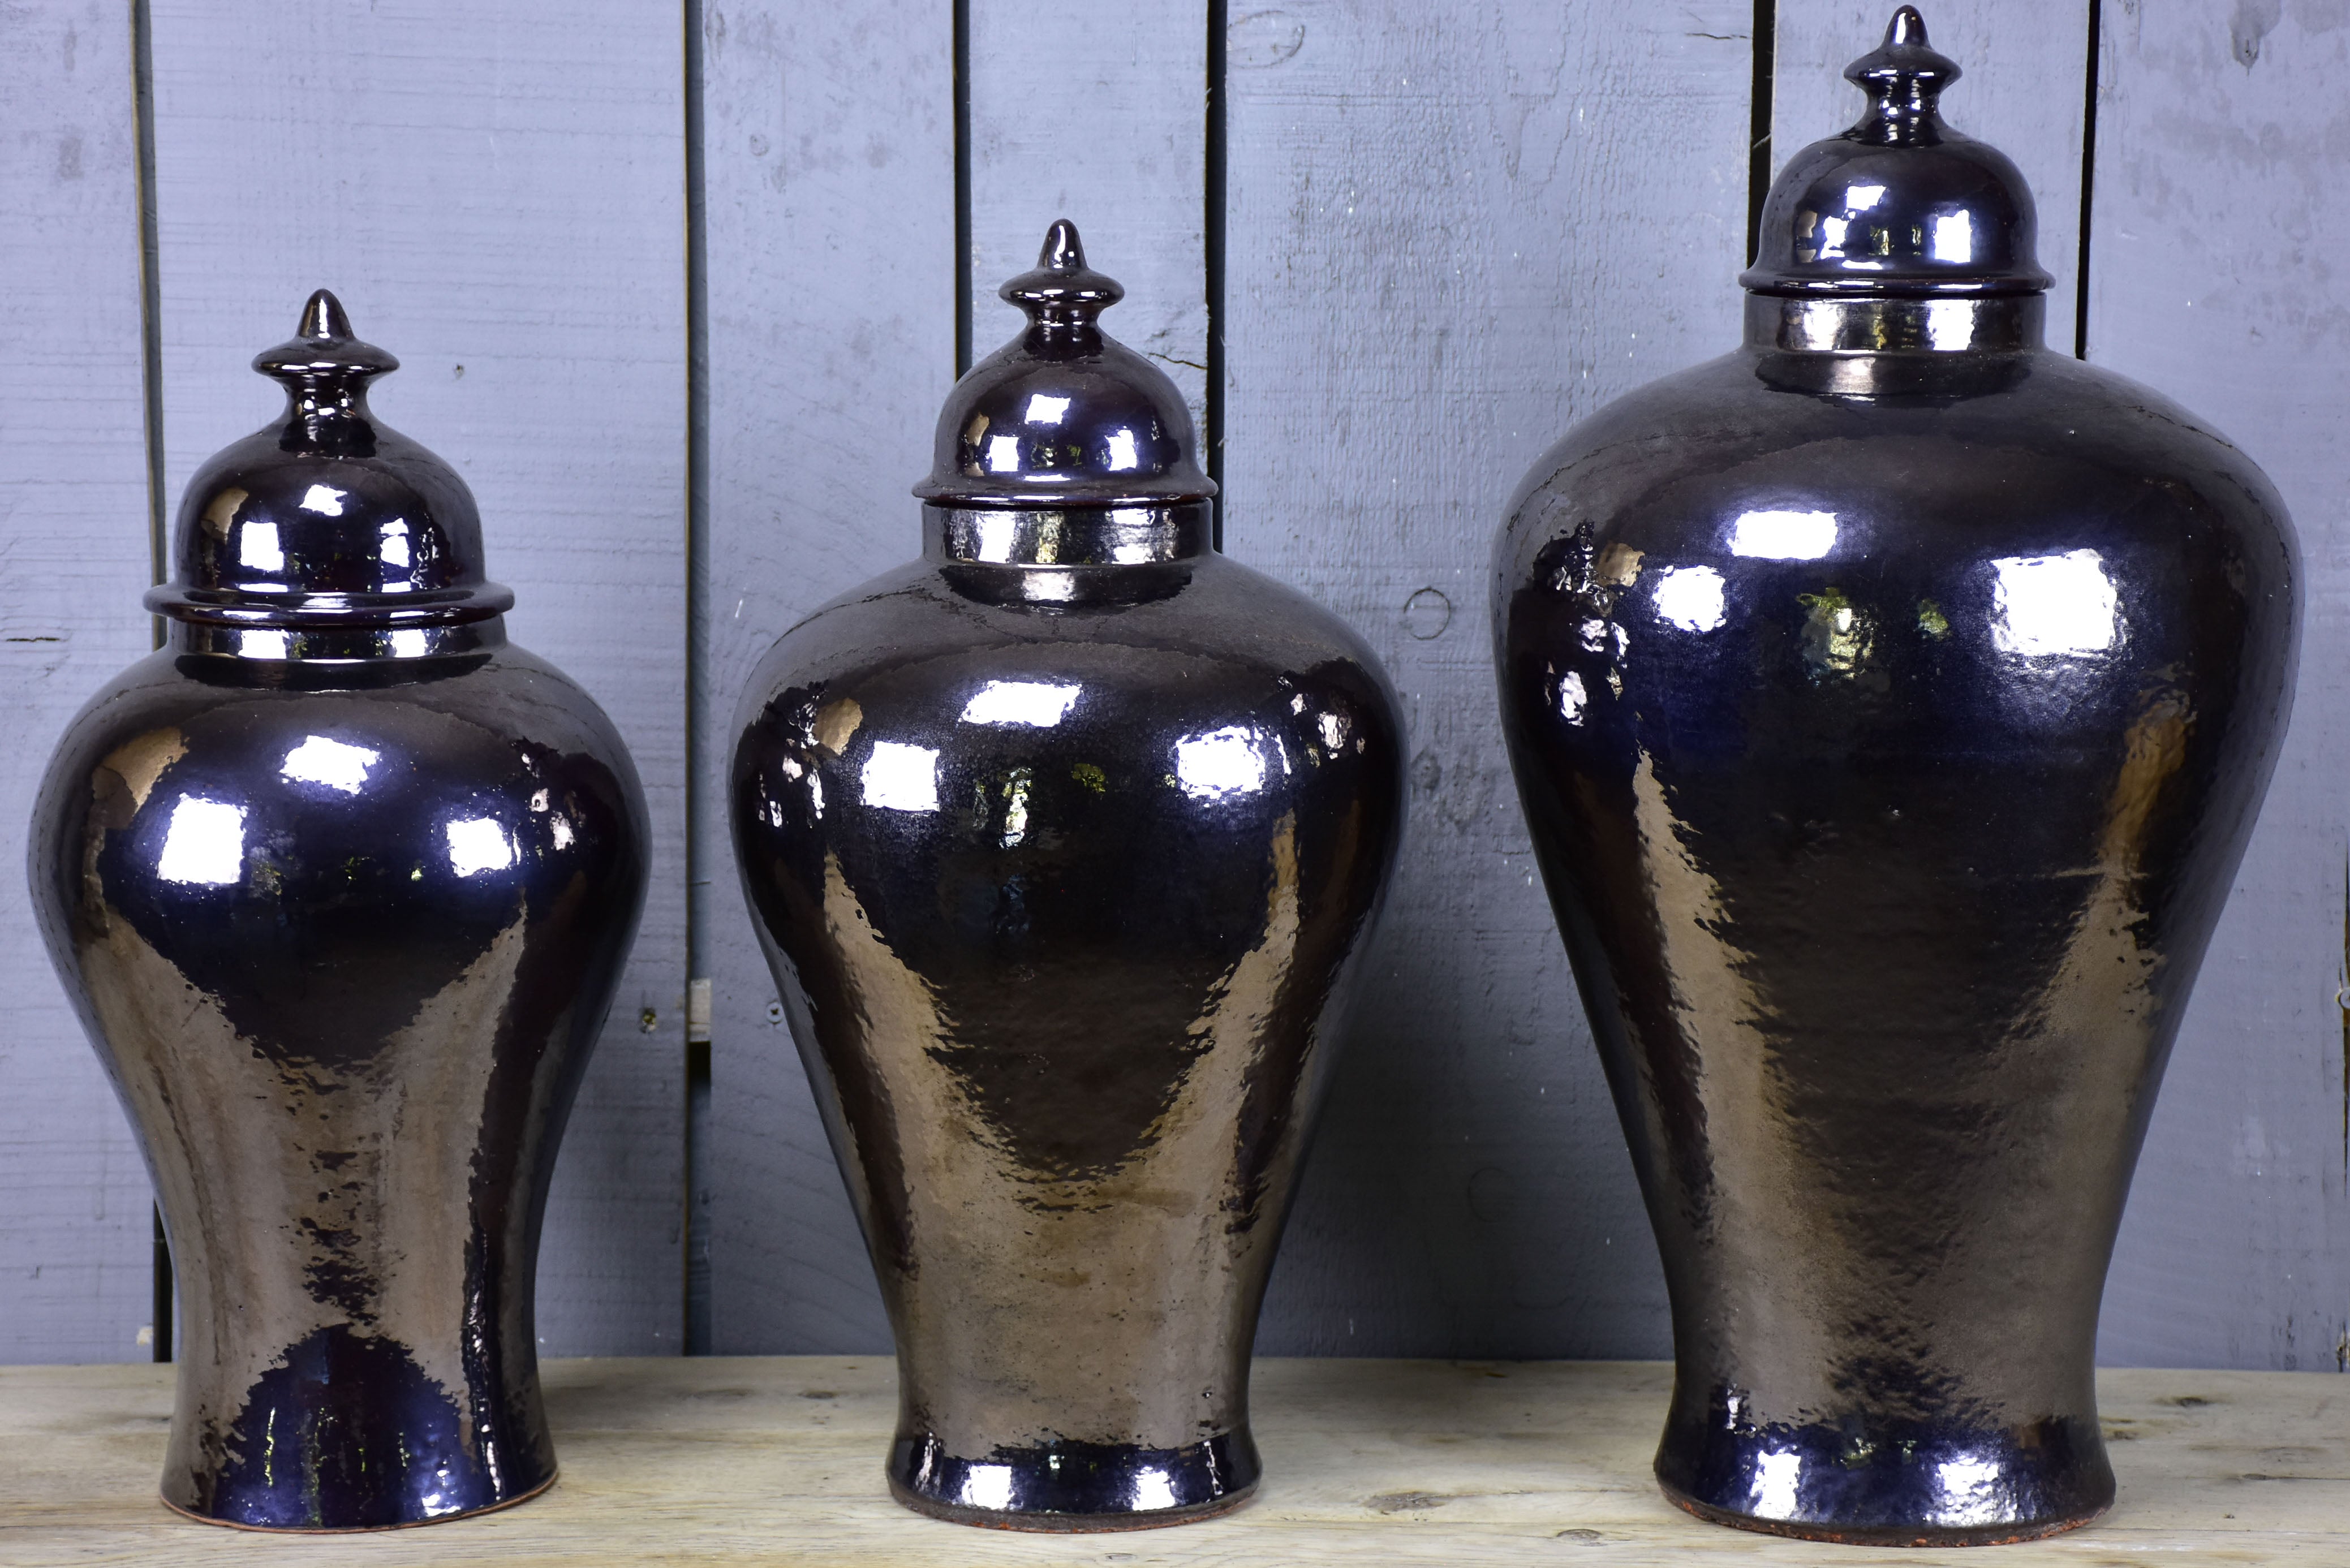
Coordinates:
(707, 269)
(76, 1227)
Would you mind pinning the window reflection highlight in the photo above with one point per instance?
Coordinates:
(1969, 1489)
(899, 777)
(987, 1486)
(1044, 411)
(1220, 763)
(1571, 697)
(1690, 597)
(1784, 536)
(1777, 1480)
(477, 843)
(334, 764)
(205, 844)
(2043, 605)
(1039, 705)
(258, 548)
(323, 499)
(1954, 237)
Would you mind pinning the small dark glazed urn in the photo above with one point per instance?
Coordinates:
(341, 882)
(1890, 700)
(1064, 841)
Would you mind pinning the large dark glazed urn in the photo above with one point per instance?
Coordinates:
(341, 881)
(1890, 698)
(1062, 841)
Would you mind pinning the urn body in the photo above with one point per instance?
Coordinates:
(1063, 872)
(1889, 724)
(341, 891)
(1890, 700)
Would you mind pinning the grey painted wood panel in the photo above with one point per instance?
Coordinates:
(75, 1227)
(500, 202)
(2216, 248)
(2024, 90)
(1107, 127)
(828, 150)
(1453, 229)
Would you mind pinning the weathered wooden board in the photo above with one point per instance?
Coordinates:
(828, 150)
(2216, 268)
(1097, 114)
(2024, 90)
(1453, 230)
(75, 1280)
(498, 197)
(779, 1461)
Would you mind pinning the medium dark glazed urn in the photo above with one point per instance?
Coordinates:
(1890, 700)
(341, 882)
(1062, 841)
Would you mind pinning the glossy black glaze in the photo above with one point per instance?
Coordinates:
(1064, 840)
(341, 882)
(1891, 700)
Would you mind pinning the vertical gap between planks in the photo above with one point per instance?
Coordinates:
(2088, 190)
(962, 228)
(1758, 122)
(1213, 188)
(696, 1196)
(2342, 1001)
(150, 353)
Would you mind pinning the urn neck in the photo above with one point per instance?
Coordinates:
(1067, 536)
(1999, 323)
(331, 643)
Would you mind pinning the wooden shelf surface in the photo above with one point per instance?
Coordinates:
(778, 1460)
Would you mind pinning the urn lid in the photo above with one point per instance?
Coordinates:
(1901, 205)
(1064, 415)
(326, 518)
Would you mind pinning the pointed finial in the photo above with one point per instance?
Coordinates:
(323, 318)
(322, 353)
(1904, 78)
(1064, 295)
(1063, 252)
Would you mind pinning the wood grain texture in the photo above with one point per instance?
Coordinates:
(74, 558)
(1097, 114)
(1453, 230)
(498, 197)
(828, 147)
(2217, 277)
(779, 1461)
(2024, 90)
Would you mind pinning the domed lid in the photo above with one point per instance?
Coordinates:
(1899, 207)
(326, 519)
(1064, 415)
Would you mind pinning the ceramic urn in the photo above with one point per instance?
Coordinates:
(1890, 700)
(341, 881)
(1064, 841)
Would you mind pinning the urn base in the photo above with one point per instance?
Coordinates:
(476, 1511)
(1910, 1483)
(1076, 1488)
